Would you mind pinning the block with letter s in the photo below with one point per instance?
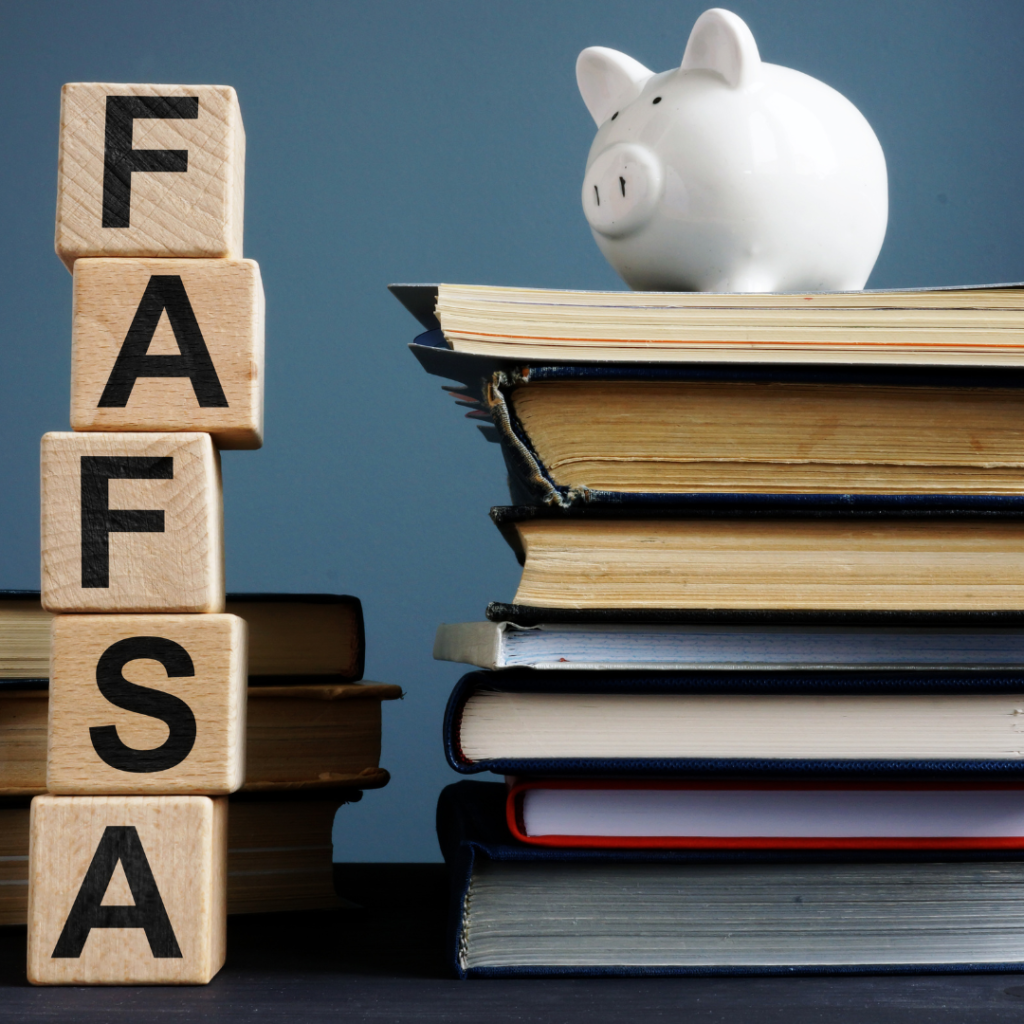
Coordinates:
(147, 704)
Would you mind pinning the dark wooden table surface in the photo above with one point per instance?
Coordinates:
(385, 963)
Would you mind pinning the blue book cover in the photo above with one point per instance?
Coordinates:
(483, 858)
(487, 382)
(919, 690)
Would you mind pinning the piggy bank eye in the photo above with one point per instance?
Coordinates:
(615, 115)
(657, 99)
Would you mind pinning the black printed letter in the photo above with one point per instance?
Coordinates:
(120, 160)
(143, 700)
(164, 292)
(119, 843)
(99, 520)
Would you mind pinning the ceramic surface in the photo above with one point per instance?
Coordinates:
(727, 173)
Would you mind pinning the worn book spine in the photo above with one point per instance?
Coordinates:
(490, 381)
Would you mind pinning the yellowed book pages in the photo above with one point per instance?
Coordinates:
(801, 564)
(775, 438)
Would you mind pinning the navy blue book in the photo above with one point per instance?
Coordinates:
(727, 724)
(519, 910)
(624, 434)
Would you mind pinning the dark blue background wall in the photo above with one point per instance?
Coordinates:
(423, 141)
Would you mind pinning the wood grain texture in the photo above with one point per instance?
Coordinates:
(226, 298)
(215, 694)
(192, 213)
(297, 737)
(185, 844)
(180, 569)
(280, 856)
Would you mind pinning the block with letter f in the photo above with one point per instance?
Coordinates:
(131, 522)
(149, 170)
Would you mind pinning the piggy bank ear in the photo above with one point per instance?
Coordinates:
(608, 80)
(721, 42)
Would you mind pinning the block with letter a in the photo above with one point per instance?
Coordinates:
(147, 704)
(131, 522)
(150, 170)
(127, 890)
(172, 344)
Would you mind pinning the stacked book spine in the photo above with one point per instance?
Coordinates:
(756, 697)
(147, 709)
(312, 743)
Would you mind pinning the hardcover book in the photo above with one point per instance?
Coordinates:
(945, 556)
(597, 646)
(298, 737)
(836, 725)
(747, 814)
(291, 637)
(280, 853)
(623, 432)
(519, 910)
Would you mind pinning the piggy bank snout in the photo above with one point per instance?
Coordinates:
(621, 189)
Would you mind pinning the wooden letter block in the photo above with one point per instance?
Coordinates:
(169, 345)
(147, 704)
(131, 523)
(149, 170)
(127, 890)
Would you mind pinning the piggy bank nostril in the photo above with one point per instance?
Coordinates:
(621, 189)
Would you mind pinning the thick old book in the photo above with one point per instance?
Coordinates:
(295, 635)
(840, 724)
(981, 326)
(674, 647)
(291, 637)
(579, 434)
(280, 854)
(519, 910)
(24, 638)
(298, 737)
(755, 814)
(644, 432)
(816, 556)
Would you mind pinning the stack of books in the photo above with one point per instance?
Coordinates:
(758, 696)
(313, 737)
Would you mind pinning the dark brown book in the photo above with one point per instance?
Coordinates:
(280, 854)
(305, 737)
(291, 637)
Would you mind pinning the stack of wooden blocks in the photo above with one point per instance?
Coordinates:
(128, 854)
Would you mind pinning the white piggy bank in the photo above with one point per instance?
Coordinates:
(728, 174)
